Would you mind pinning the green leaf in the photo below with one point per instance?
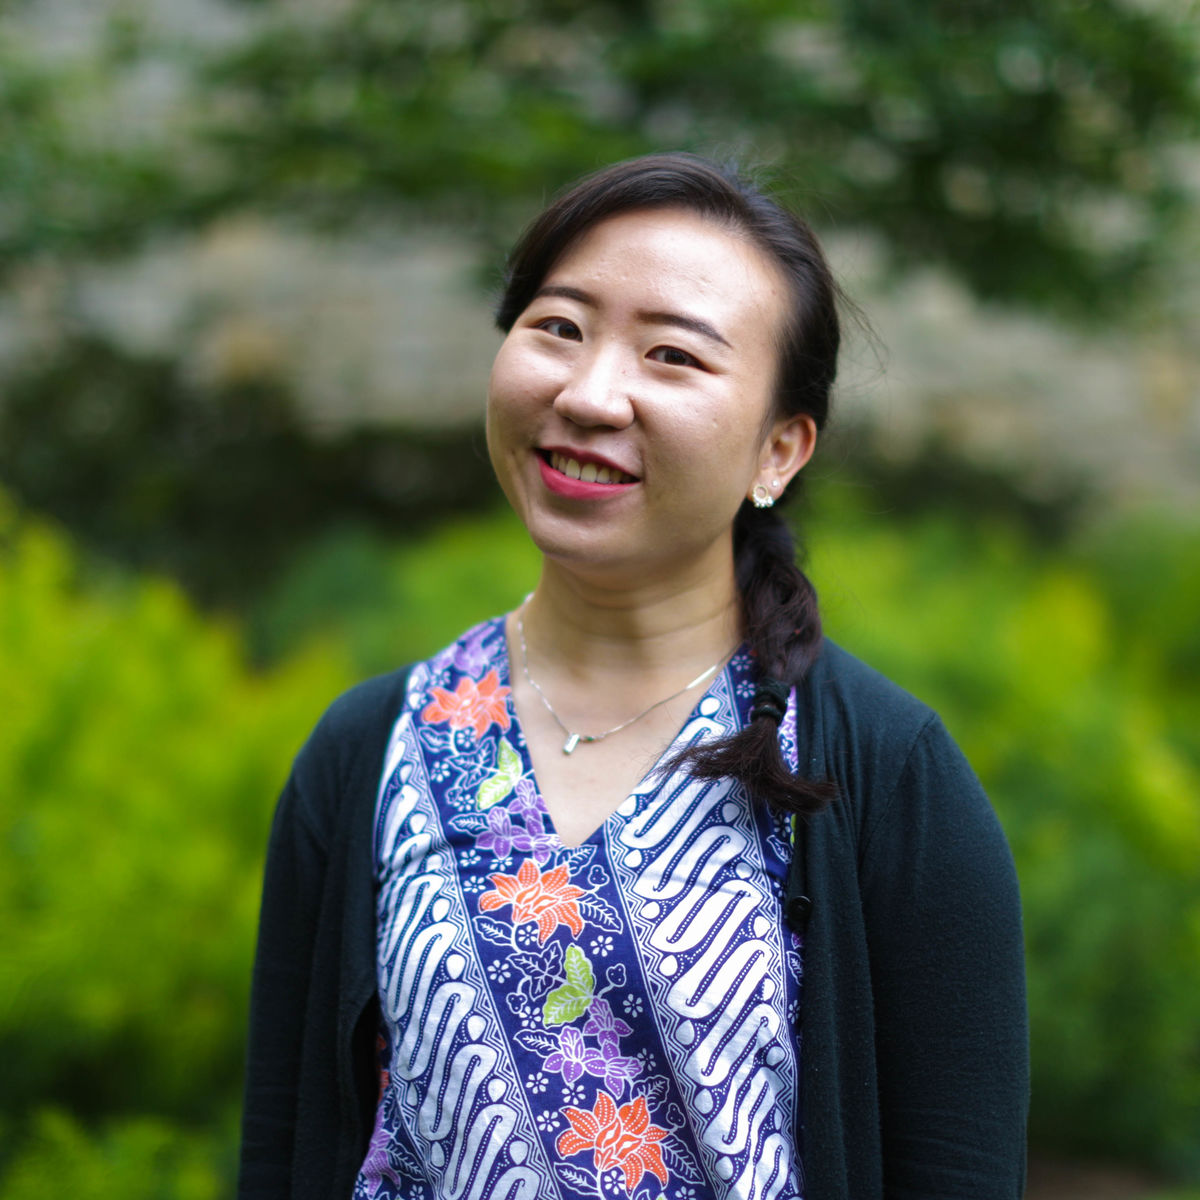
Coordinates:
(492, 791)
(508, 761)
(565, 1004)
(574, 998)
(508, 772)
(579, 970)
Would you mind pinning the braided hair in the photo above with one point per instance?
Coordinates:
(780, 618)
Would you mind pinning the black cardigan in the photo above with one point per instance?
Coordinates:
(914, 1054)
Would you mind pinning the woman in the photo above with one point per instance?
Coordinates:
(532, 923)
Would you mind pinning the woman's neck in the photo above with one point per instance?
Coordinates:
(645, 636)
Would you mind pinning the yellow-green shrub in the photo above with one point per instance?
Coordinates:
(139, 761)
(138, 1158)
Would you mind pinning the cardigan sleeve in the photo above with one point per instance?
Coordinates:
(943, 925)
(309, 1070)
(293, 885)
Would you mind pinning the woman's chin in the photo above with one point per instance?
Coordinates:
(616, 562)
(584, 553)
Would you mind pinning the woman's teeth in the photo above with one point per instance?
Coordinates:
(588, 472)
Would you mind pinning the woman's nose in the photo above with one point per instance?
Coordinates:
(596, 392)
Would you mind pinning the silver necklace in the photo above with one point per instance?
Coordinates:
(573, 738)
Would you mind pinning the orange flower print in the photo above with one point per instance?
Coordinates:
(549, 899)
(470, 705)
(620, 1137)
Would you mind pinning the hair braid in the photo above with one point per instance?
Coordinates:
(782, 626)
(779, 604)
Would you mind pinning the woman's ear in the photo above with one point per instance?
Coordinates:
(788, 446)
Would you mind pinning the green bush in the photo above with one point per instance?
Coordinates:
(139, 760)
(140, 1158)
(388, 606)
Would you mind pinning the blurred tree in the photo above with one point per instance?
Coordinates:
(215, 485)
(1027, 147)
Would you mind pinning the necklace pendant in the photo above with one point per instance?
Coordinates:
(570, 743)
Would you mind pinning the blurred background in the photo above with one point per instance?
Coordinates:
(247, 249)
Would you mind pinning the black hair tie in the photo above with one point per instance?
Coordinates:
(770, 700)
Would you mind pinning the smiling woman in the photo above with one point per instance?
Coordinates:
(535, 922)
(649, 350)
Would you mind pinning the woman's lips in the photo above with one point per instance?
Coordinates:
(581, 479)
(591, 468)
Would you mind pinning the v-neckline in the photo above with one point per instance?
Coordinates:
(517, 733)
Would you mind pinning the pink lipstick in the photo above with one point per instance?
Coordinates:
(560, 468)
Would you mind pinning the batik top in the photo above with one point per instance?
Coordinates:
(614, 1019)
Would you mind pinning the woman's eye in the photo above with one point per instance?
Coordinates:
(562, 328)
(674, 357)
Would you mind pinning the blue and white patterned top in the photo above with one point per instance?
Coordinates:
(615, 1019)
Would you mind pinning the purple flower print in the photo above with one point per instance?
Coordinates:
(376, 1163)
(568, 1058)
(603, 1025)
(528, 803)
(501, 837)
(609, 1065)
(498, 837)
(469, 656)
(535, 840)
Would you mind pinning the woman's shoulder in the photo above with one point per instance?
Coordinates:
(872, 736)
(337, 769)
(365, 715)
(368, 707)
(353, 729)
(843, 689)
(373, 706)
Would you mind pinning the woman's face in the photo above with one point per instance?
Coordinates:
(629, 407)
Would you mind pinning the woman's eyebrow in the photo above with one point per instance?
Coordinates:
(679, 320)
(568, 293)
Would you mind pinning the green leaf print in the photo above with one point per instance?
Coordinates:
(574, 998)
(508, 773)
(579, 971)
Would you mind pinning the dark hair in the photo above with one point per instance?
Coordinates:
(780, 619)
